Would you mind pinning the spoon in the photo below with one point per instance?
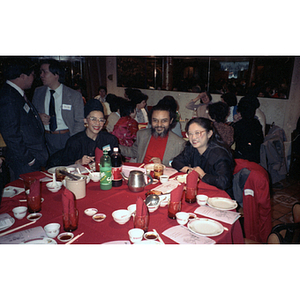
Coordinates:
(78, 171)
(54, 179)
(88, 170)
(152, 200)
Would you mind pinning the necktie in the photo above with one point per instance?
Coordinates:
(53, 124)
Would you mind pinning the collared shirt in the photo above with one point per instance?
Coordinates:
(61, 125)
(16, 87)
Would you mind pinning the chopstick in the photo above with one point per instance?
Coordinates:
(51, 176)
(159, 238)
(17, 228)
(74, 239)
(141, 165)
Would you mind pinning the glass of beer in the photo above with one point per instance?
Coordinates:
(158, 170)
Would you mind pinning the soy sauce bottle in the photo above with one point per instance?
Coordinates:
(116, 163)
(105, 171)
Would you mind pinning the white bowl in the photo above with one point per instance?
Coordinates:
(153, 208)
(121, 216)
(52, 230)
(20, 212)
(164, 178)
(182, 217)
(132, 208)
(91, 211)
(99, 217)
(54, 187)
(151, 236)
(202, 199)
(95, 176)
(136, 235)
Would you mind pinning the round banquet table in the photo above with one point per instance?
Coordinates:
(106, 202)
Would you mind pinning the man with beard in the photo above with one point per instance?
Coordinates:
(157, 144)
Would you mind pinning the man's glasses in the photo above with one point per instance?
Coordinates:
(196, 134)
(93, 119)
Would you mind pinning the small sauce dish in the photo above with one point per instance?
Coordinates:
(151, 235)
(34, 216)
(91, 211)
(99, 217)
(65, 236)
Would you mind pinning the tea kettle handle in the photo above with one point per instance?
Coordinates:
(151, 179)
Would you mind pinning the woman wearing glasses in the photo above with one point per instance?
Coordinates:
(80, 148)
(207, 154)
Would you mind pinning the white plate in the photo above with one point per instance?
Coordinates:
(7, 223)
(206, 227)
(41, 241)
(148, 242)
(117, 243)
(221, 203)
(52, 170)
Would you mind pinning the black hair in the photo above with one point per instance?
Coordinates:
(230, 99)
(246, 108)
(55, 68)
(208, 125)
(163, 106)
(208, 95)
(218, 111)
(129, 92)
(91, 105)
(137, 97)
(102, 87)
(172, 104)
(14, 67)
(114, 102)
(126, 108)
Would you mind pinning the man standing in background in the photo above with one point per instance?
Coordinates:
(60, 107)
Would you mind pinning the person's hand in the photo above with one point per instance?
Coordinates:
(85, 160)
(199, 171)
(45, 118)
(155, 160)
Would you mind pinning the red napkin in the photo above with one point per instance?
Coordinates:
(192, 179)
(98, 155)
(141, 207)
(68, 204)
(176, 194)
(35, 189)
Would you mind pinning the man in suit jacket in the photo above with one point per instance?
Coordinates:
(20, 124)
(157, 144)
(68, 117)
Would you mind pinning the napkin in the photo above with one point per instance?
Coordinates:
(98, 155)
(176, 194)
(141, 208)
(192, 179)
(68, 204)
(35, 189)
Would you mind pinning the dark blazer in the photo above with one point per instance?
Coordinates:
(73, 117)
(22, 131)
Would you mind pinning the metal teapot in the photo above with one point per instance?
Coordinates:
(136, 181)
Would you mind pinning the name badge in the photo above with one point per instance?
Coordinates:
(66, 106)
(107, 148)
(26, 107)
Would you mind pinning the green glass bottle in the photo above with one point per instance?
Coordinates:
(105, 171)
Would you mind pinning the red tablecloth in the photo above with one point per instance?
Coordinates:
(106, 202)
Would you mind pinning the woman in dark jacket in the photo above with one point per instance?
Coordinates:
(207, 154)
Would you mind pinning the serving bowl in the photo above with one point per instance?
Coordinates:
(121, 216)
(54, 187)
(95, 176)
(91, 211)
(52, 230)
(20, 212)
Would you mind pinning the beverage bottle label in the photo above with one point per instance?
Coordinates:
(105, 177)
(116, 173)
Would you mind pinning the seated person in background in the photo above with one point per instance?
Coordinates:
(201, 108)
(248, 134)
(140, 101)
(207, 154)
(259, 115)
(218, 112)
(102, 95)
(114, 103)
(175, 126)
(80, 148)
(157, 144)
(126, 128)
(231, 101)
